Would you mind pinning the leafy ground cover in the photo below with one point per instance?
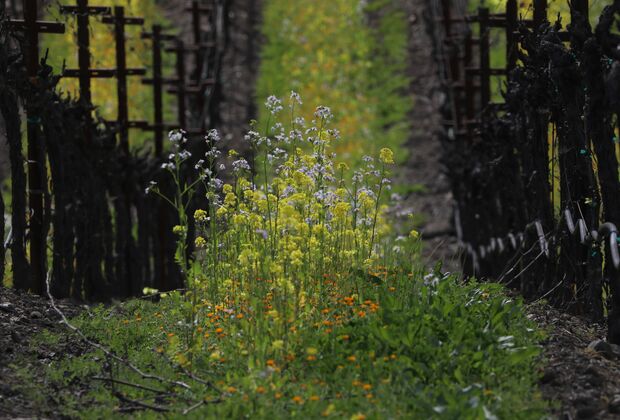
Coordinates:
(301, 301)
(430, 349)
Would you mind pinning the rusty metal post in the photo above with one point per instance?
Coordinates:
(84, 72)
(204, 74)
(123, 123)
(470, 100)
(121, 78)
(454, 73)
(83, 50)
(485, 58)
(195, 10)
(37, 173)
(540, 13)
(179, 50)
(512, 45)
(158, 81)
(158, 130)
(36, 160)
(580, 7)
(158, 92)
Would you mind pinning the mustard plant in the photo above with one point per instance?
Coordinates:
(280, 227)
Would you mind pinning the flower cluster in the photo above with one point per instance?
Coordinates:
(302, 219)
(288, 242)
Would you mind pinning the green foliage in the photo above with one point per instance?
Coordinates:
(433, 348)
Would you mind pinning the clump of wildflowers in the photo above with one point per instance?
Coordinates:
(288, 232)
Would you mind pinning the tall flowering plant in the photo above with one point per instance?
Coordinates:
(275, 233)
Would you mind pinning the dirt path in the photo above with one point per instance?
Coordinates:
(584, 382)
(429, 197)
(22, 316)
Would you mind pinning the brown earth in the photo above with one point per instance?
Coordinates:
(584, 383)
(430, 197)
(22, 316)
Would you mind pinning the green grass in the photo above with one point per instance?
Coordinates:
(449, 350)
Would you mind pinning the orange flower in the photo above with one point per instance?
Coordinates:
(271, 363)
(231, 389)
(314, 398)
(298, 400)
(278, 395)
(219, 330)
(261, 389)
(367, 387)
(311, 358)
(352, 358)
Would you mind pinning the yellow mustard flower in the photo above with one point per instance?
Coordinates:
(200, 215)
(386, 156)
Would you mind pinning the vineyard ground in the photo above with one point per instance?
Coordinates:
(429, 198)
(23, 318)
(580, 382)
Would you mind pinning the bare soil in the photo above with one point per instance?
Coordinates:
(22, 316)
(583, 383)
(430, 197)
